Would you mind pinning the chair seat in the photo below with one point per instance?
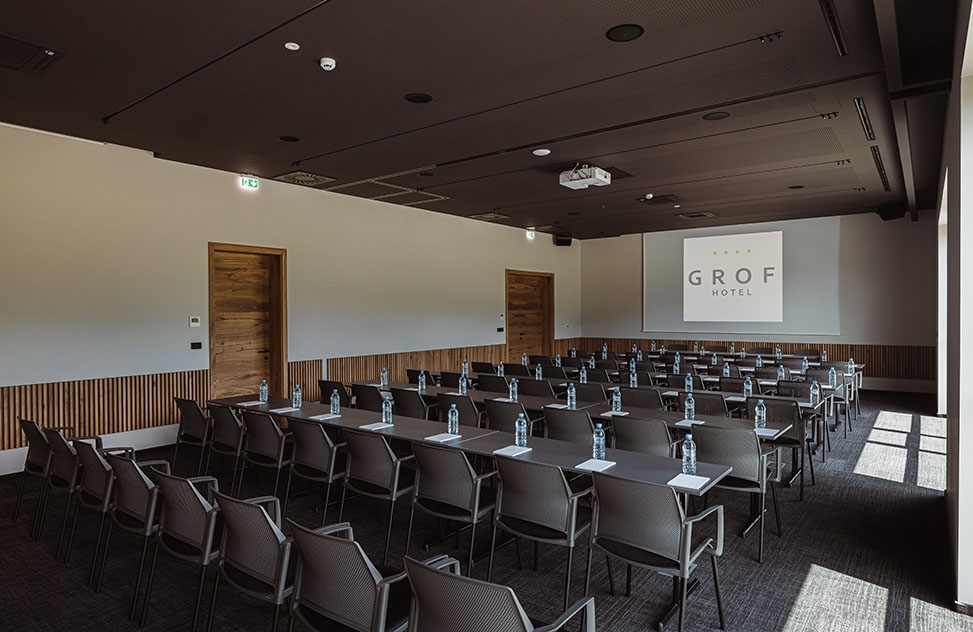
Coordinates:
(400, 596)
(192, 553)
(131, 523)
(224, 448)
(540, 532)
(406, 478)
(253, 586)
(314, 474)
(739, 484)
(266, 461)
(487, 498)
(637, 555)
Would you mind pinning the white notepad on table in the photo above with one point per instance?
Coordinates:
(689, 423)
(615, 413)
(735, 398)
(512, 450)
(557, 406)
(443, 437)
(765, 432)
(324, 417)
(688, 481)
(375, 426)
(502, 399)
(670, 393)
(256, 402)
(595, 465)
(453, 394)
(286, 409)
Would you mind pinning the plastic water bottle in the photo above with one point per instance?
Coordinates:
(617, 399)
(743, 352)
(760, 415)
(523, 359)
(733, 347)
(296, 397)
(726, 369)
(452, 417)
(264, 391)
(500, 369)
(689, 383)
(384, 378)
(702, 350)
(779, 354)
(520, 431)
(675, 366)
(662, 349)
(824, 356)
(690, 406)
(815, 392)
(688, 455)
(538, 373)
(604, 351)
(462, 385)
(638, 355)
(335, 402)
(513, 389)
(760, 361)
(653, 346)
(387, 410)
(583, 375)
(851, 366)
(714, 361)
(633, 380)
(557, 360)
(631, 365)
(572, 397)
(466, 367)
(591, 362)
(780, 372)
(747, 387)
(678, 359)
(832, 378)
(598, 443)
(574, 352)
(695, 346)
(804, 364)
(422, 381)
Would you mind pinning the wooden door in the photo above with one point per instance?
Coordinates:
(247, 319)
(530, 314)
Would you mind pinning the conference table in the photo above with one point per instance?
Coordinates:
(569, 456)
(678, 422)
(479, 397)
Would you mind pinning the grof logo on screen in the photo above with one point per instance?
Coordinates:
(743, 276)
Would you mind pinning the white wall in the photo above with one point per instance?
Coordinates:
(104, 258)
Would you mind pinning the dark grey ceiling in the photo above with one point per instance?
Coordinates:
(210, 83)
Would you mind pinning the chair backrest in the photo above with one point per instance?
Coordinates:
(38, 450)
(608, 365)
(571, 362)
(770, 373)
(367, 397)
(642, 397)
(780, 411)
(192, 421)
(370, 459)
(186, 515)
(555, 371)
(534, 492)
(540, 359)
(443, 475)
(502, 416)
(313, 446)
(329, 386)
(637, 514)
(536, 388)
(264, 436)
(717, 348)
(135, 493)
(450, 379)
(334, 576)
(493, 383)
(706, 403)
(678, 380)
(732, 384)
(761, 350)
(592, 393)
(599, 375)
(840, 367)
(483, 367)
(821, 375)
(228, 430)
(445, 602)
(64, 458)
(649, 436)
(789, 388)
(738, 448)
(516, 369)
(408, 403)
(811, 354)
(251, 539)
(97, 479)
(748, 361)
(468, 414)
(677, 346)
(792, 363)
(568, 425)
(644, 377)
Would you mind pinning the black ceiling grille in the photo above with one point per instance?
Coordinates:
(831, 17)
(617, 174)
(863, 117)
(19, 55)
(667, 199)
(304, 178)
(880, 167)
(489, 217)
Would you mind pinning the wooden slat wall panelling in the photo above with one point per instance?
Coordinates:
(306, 373)
(350, 369)
(99, 406)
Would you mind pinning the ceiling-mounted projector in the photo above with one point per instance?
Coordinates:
(585, 176)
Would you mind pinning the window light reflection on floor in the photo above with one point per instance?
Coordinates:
(830, 600)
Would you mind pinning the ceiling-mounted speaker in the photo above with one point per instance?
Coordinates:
(891, 211)
(562, 240)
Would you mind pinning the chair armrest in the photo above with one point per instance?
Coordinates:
(341, 528)
(271, 505)
(403, 459)
(127, 451)
(586, 604)
(483, 477)
(391, 579)
(158, 464)
(96, 439)
(207, 485)
(718, 510)
(443, 562)
(580, 494)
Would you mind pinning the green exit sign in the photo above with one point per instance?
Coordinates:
(249, 182)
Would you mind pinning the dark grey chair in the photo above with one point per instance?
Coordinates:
(317, 458)
(194, 429)
(642, 397)
(483, 367)
(568, 425)
(493, 383)
(555, 372)
(678, 381)
(367, 397)
(327, 387)
(267, 445)
(733, 384)
(516, 370)
(97, 486)
(839, 398)
(739, 448)
(187, 529)
(449, 379)
(717, 348)
(644, 378)
(797, 439)
(469, 414)
(599, 375)
(794, 364)
(591, 393)
(677, 346)
(337, 587)
(375, 471)
(536, 388)
(764, 351)
(536, 502)
(540, 359)
(502, 416)
(649, 436)
(570, 363)
(608, 365)
(644, 525)
(706, 403)
(411, 404)
(255, 555)
(229, 435)
(64, 479)
(444, 601)
(447, 487)
(813, 355)
(37, 464)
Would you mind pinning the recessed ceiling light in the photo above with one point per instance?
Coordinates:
(292, 46)
(625, 32)
(648, 196)
(796, 186)
(418, 97)
(541, 152)
(289, 139)
(677, 206)
(716, 116)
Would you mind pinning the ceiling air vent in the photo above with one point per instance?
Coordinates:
(880, 167)
(489, 217)
(17, 54)
(831, 18)
(304, 178)
(667, 199)
(698, 215)
(863, 117)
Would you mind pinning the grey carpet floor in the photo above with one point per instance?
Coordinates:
(866, 550)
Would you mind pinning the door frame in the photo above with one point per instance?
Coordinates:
(278, 380)
(547, 347)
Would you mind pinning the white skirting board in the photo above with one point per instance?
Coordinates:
(13, 460)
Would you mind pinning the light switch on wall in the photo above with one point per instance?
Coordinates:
(194, 321)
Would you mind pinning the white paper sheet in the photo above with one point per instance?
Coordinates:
(512, 450)
(688, 481)
(595, 465)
